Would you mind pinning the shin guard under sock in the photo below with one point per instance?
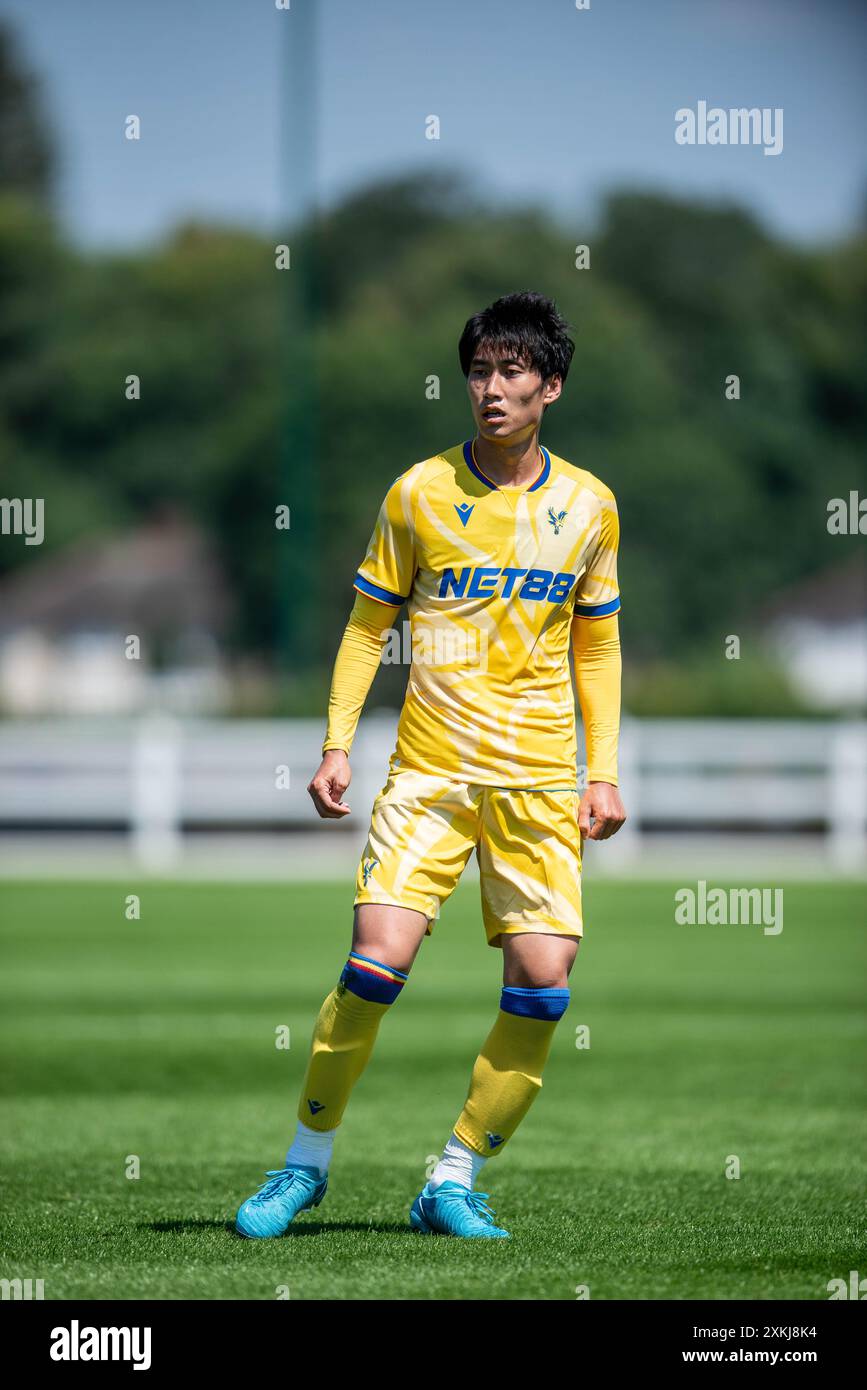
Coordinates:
(343, 1038)
(507, 1075)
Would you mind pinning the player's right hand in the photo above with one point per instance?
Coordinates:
(329, 783)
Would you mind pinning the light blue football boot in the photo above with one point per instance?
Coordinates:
(272, 1209)
(453, 1210)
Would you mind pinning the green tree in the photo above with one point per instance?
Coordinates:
(27, 159)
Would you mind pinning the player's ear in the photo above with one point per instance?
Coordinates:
(555, 384)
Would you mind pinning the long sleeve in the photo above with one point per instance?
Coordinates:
(355, 666)
(596, 649)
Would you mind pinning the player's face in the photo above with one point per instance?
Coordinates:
(507, 397)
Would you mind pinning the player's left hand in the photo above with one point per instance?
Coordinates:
(602, 803)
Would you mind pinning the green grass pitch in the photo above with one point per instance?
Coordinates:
(156, 1038)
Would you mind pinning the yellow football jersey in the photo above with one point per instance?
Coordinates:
(493, 576)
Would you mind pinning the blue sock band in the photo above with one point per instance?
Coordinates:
(371, 980)
(549, 1004)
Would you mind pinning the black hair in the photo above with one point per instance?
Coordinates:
(524, 325)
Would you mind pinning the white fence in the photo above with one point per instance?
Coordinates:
(160, 780)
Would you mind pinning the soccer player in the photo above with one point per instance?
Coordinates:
(507, 556)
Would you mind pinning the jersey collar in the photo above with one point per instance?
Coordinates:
(544, 472)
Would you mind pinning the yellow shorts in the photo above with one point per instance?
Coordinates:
(528, 845)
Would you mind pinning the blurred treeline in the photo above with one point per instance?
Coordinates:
(309, 386)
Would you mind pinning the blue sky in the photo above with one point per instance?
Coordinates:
(246, 114)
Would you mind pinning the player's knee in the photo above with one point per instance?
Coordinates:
(539, 961)
(370, 977)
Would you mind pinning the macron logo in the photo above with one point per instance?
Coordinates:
(465, 511)
(315, 1106)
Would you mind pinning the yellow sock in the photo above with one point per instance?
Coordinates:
(343, 1038)
(507, 1075)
